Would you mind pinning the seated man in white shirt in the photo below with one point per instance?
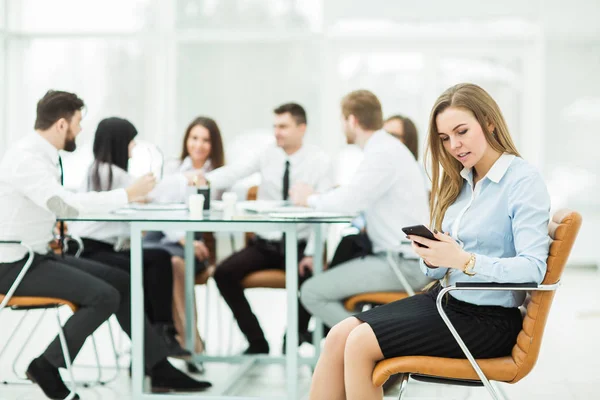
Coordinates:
(31, 198)
(289, 162)
(388, 190)
(358, 244)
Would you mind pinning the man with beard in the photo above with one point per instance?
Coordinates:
(31, 197)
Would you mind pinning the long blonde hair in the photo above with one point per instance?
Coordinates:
(445, 169)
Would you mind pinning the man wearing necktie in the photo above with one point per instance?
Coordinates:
(282, 165)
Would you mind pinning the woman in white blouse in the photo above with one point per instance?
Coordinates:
(202, 150)
(108, 242)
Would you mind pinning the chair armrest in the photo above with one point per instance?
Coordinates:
(499, 286)
(494, 285)
(481, 286)
(24, 270)
(71, 238)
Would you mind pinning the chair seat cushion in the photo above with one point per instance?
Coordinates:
(268, 278)
(373, 298)
(501, 369)
(24, 302)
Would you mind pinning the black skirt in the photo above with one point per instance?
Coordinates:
(413, 327)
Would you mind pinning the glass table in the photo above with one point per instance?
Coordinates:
(214, 221)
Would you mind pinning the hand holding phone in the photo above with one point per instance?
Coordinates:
(419, 230)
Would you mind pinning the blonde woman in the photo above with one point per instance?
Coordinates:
(490, 212)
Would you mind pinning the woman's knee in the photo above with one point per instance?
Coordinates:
(338, 335)
(363, 343)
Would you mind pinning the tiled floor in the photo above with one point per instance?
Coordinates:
(568, 367)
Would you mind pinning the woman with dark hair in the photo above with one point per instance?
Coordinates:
(405, 130)
(108, 242)
(202, 151)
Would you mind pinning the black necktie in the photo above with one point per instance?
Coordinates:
(61, 240)
(286, 180)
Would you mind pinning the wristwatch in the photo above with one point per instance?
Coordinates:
(469, 265)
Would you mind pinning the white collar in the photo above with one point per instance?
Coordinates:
(46, 147)
(294, 158)
(497, 171)
(374, 138)
(187, 165)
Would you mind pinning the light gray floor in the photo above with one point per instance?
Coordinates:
(568, 366)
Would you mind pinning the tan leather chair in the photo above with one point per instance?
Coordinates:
(32, 302)
(563, 229)
(356, 303)
(268, 278)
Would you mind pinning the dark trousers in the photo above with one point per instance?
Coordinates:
(98, 290)
(351, 247)
(257, 256)
(158, 275)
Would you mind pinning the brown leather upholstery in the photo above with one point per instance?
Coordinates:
(268, 278)
(373, 298)
(22, 301)
(250, 196)
(563, 230)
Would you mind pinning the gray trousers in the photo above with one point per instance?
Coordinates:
(99, 291)
(323, 294)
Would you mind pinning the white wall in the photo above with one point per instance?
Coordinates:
(161, 63)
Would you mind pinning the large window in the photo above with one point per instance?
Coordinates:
(110, 75)
(161, 63)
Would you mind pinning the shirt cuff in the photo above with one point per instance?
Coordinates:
(435, 273)
(484, 266)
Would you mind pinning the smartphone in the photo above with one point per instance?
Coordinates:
(419, 230)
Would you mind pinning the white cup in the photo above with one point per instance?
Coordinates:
(229, 204)
(196, 206)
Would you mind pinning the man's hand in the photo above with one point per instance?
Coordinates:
(305, 265)
(195, 178)
(138, 190)
(200, 250)
(299, 194)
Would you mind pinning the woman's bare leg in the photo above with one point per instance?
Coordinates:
(328, 379)
(361, 353)
(179, 304)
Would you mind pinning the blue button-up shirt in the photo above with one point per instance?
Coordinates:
(503, 220)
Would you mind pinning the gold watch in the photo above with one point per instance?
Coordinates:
(468, 267)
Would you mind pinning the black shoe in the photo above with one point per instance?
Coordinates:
(303, 337)
(195, 367)
(257, 347)
(167, 332)
(48, 378)
(166, 378)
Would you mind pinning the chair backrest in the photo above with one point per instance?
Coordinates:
(563, 229)
(252, 193)
(250, 196)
